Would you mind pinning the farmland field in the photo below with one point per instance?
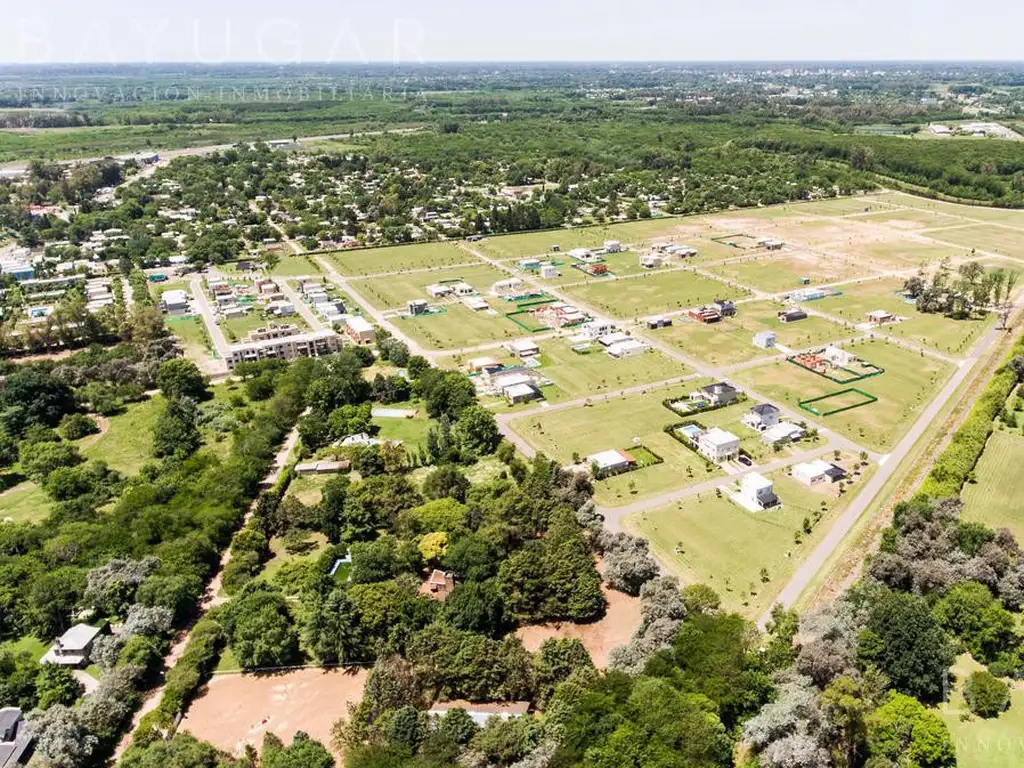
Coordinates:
(373, 261)
(928, 330)
(995, 498)
(908, 384)
(652, 293)
(614, 423)
(394, 291)
(711, 540)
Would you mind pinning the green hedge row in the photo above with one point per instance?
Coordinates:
(955, 464)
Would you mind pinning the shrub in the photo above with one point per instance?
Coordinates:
(75, 426)
(986, 694)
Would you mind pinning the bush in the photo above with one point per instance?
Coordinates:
(75, 426)
(986, 694)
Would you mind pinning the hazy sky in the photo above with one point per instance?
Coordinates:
(215, 31)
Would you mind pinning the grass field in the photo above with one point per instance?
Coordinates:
(985, 237)
(539, 243)
(707, 539)
(128, 442)
(375, 261)
(908, 384)
(934, 331)
(33, 646)
(614, 423)
(412, 432)
(897, 252)
(460, 327)
(296, 266)
(731, 341)
(240, 326)
(394, 291)
(24, 503)
(279, 556)
(995, 498)
(308, 488)
(652, 293)
(984, 743)
(909, 219)
(977, 212)
(784, 272)
(596, 372)
(190, 333)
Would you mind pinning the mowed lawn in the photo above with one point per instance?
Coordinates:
(540, 243)
(595, 371)
(909, 383)
(995, 499)
(128, 442)
(984, 742)
(613, 424)
(786, 271)
(711, 540)
(394, 291)
(985, 237)
(24, 503)
(731, 341)
(653, 293)
(460, 327)
(296, 266)
(375, 261)
(190, 334)
(934, 331)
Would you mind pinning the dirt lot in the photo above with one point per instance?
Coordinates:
(598, 638)
(238, 709)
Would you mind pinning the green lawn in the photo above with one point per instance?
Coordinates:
(731, 341)
(707, 539)
(375, 261)
(652, 293)
(897, 252)
(308, 488)
(977, 212)
(909, 383)
(24, 503)
(394, 291)
(984, 743)
(995, 498)
(128, 442)
(279, 556)
(539, 243)
(240, 326)
(985, 237)
(460, 327)
(27, 644)
(412, 432)
(613, 424)
(192, 335)
(296, 266)
(929, 330)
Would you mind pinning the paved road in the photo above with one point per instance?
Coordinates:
(209, 317)
(301, 306)
(816, 560)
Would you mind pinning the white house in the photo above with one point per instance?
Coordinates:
(761, 417)
(438, 290)
(531, 265)
(476, 303)
(463, 289)
(628, 348)
(880, 316)
(610, 462)
(548, 271)
(524, 348)
(585, 255)
(781, 433)
(718, 394)
(513, 286)
(765, 340)
(616, 337)
(72, 649)
(838, 355)
(174, 302)
(817, 472)
(758, 491)
(651, 260)
(520, 393)
(360, 330)
(718, 445)
(612, 246)
(597, 328)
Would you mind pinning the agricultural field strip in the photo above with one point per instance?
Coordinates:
(692, 363)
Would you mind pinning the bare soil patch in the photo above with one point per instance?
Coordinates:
(237, 710)
(599, 638)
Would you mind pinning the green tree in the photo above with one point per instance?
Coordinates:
(56, 685)
(175, 432)
(476, 431)
(260, 629)
(446, 482)
(986, 695)
(972, 614)
(904, 732)
(39, 460)
(181, 378)
(331, 630)
(29, 397)
(557, 659)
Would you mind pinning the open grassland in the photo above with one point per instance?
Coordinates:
(790, 270)
(895, 252)
(412, 432)
(976, 212)
(927, 330)
(127, 444)
(985, 237)
(460, 327)
(909, 383)
(25, 502)
(731, 341)
(296, 266)
(653, 293)
(840, 206)
(994, 499)
(394, 291)
(375, 261)
(984, 743)
(595, 372)
(909, 219)
(709, 539)
(280, 557)
(191, 335)
(613, 424)
(540, 243)
(308, 488)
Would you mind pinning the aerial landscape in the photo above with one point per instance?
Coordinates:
(441, 404)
